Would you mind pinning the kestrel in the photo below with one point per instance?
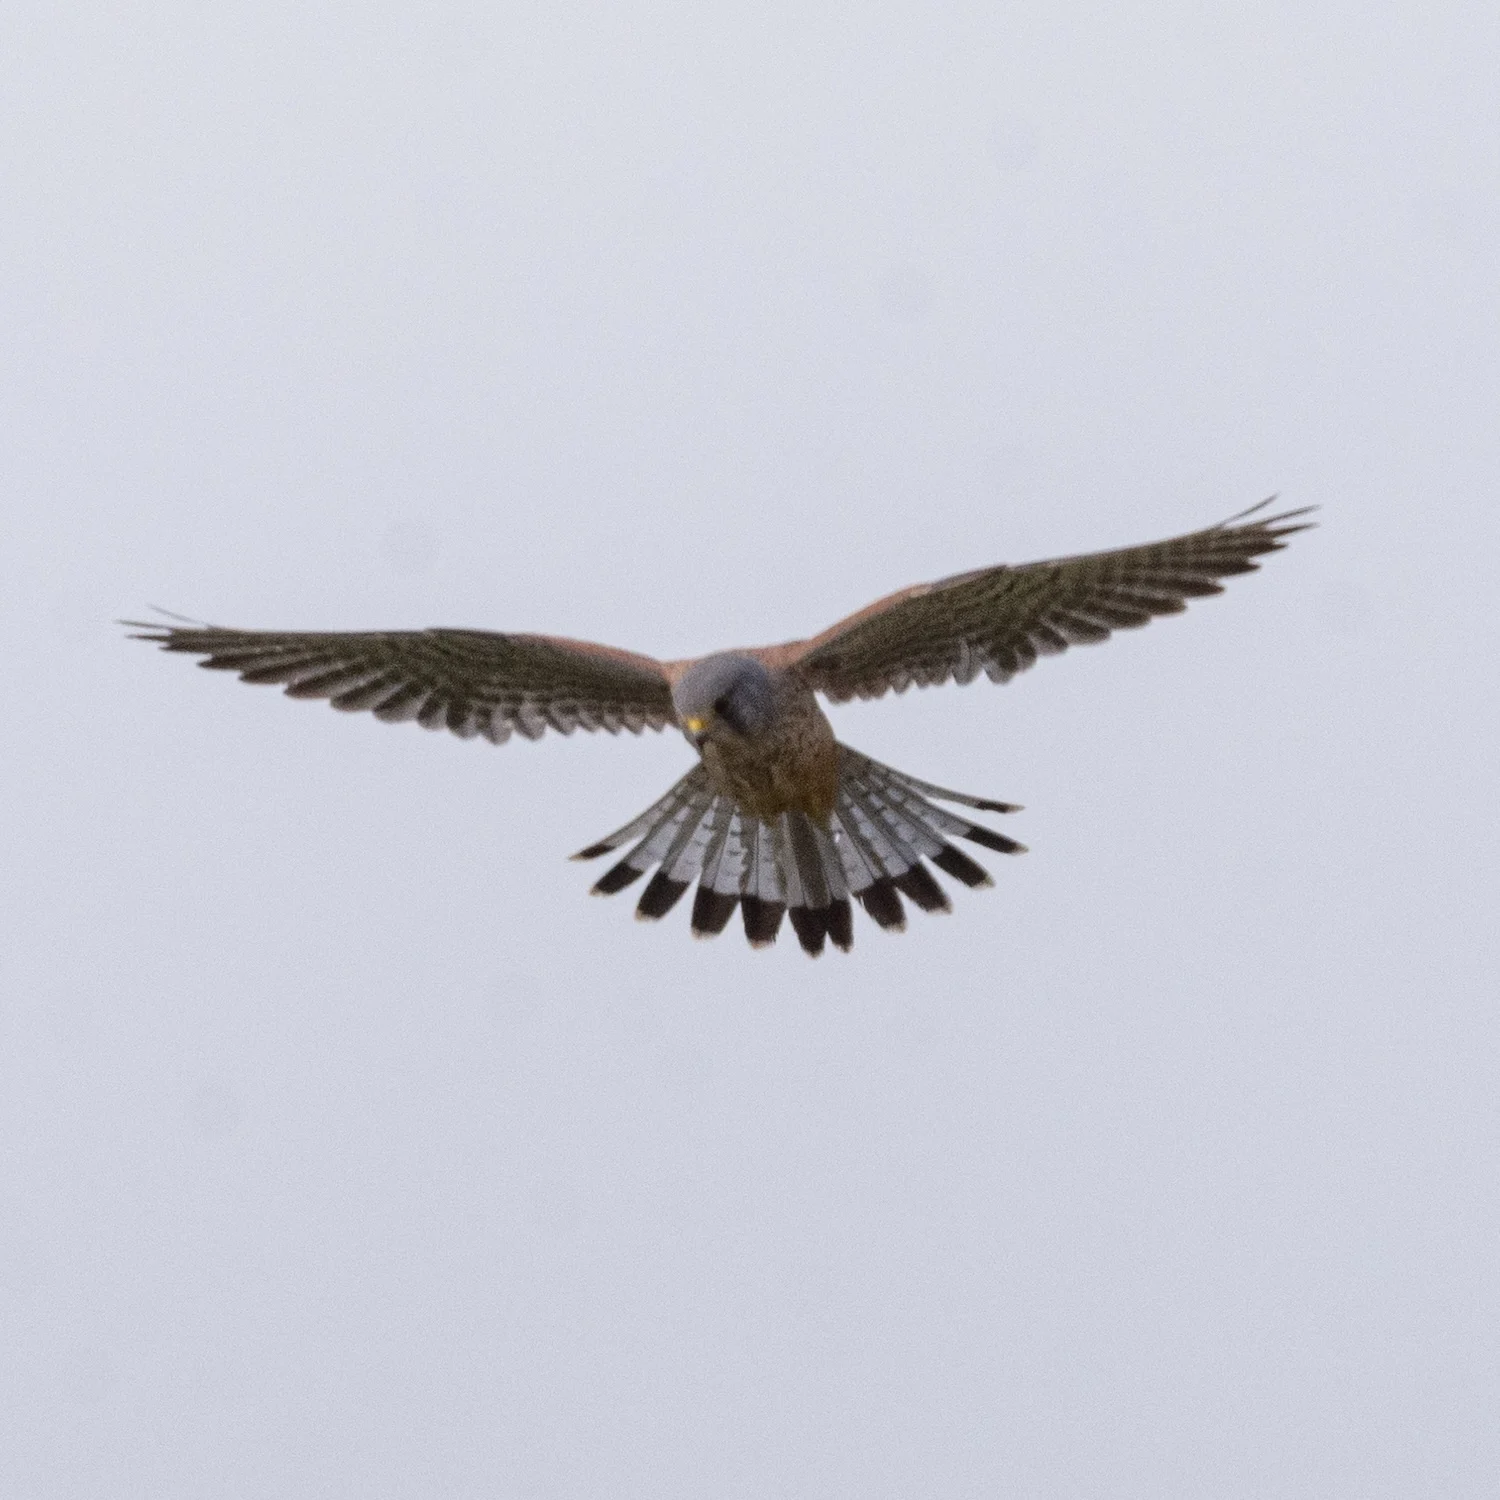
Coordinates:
(778, 817)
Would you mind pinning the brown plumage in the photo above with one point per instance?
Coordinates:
(777, 816)
(792, 767)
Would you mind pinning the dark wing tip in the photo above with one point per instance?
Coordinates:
(662, 893)
(810, 923)
(841, 925)
(917, 882)
(616, 879)
(882, 903)
(168, 614)
(1270, 526)
(164, 634)
(157, 635)
(712, 910)
(593, 851)
(977, 833)
(762, 920)
(956, 863)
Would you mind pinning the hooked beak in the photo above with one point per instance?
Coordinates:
(697, 730)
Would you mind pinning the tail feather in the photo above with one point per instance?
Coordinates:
(882, 902)
(916, 794)
(723, 872)
(762, 920)
(832, 861)
(861, 865)
(956, 863)
(762, 873)
(911, 810)
(883, 827)
(992, 840)
(918, 883)
(867, 832)
(810, 923)
(675, 833)
(724, 858)
(763, 903)
(839, 920)
(680, 791)
(817, 893)
(694, 826)
(897, 838)
(662, 893)
(841, 924)
(943, 794)
(617, 878)
(712, 911)
(908, 797)
(801, 859)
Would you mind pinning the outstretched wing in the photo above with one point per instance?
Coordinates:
(999, 620)
(469, 681)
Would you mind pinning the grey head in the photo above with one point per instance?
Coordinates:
(726, 694)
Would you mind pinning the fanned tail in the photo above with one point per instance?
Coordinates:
(888, 824)
(883, 826)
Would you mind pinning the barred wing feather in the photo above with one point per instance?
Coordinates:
(472, 682)
(999, 620)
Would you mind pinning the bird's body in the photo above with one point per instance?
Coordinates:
(792, 767)
(777, 817)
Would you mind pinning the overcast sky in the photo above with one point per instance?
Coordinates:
(351, 1149)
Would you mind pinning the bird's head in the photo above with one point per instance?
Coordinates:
(723, 697)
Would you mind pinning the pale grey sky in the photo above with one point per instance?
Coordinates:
(352, 1150)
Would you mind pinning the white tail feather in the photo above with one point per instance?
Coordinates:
(882, 828)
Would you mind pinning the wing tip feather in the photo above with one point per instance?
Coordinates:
(594, 851)
(882, 663)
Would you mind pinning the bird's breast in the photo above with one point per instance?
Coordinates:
(794, 767)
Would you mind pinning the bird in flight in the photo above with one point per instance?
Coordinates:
(777, 817)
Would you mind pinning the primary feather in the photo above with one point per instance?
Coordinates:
(999, 620)
(467, 681)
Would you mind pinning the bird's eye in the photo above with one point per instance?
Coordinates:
(721, 704)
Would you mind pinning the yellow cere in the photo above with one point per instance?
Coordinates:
(696, 726)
